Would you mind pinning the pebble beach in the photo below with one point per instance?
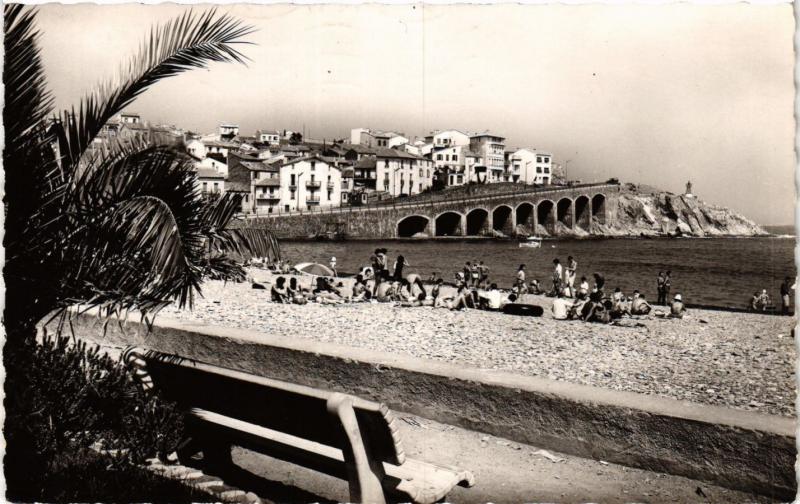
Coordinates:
(736, 360)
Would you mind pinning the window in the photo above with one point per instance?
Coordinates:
(455, 157)
(538, 159)
(291, 195)
(546, 159)
(292, 179)
(286, 207)
(205, 186)
(538, 169)
(313, 165)
(329, 195)
(546, 169)
(438, 157)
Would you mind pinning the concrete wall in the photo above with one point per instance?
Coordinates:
(381, 222)
(737, 449)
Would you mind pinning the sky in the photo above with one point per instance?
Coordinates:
(652, 94)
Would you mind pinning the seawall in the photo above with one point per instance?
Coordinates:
(738, 449)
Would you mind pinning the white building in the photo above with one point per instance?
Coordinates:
(375, 138)
(269, 137)
(212, 164)
(492, 151)
(447, 138)
(196, 148)
(310, 182)
(210, 181)
(228, 130)
(398, 172)
(130, 118)
(530, 166)
(221, 148)
(397, 140)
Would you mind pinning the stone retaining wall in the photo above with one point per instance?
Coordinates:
(737, 449)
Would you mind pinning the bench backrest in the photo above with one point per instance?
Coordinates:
(293, 409)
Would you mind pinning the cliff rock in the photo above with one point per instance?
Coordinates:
(646, 211)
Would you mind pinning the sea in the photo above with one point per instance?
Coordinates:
(718, 272)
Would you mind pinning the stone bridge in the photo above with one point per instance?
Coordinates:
(545, 211)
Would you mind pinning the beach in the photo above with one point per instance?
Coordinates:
(737, 360)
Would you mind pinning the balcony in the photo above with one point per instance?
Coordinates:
(292, 186)
(268, 196)
(331, 185)
(313, 184)
(312, 199)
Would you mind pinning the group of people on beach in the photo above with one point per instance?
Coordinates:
(473, 290)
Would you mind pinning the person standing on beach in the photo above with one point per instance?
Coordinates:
(476, 274)
(467, 271)
(333, 266)
(483, 270)
(662, 295)
(557, 276)
(667, 285)
(398, 268)
(520, 285)
(785, 299)
(572, 267)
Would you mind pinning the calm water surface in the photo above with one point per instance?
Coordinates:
(713, 271)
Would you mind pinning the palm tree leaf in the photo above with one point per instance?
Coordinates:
(247, 242)
(188, 42)
(28, 102)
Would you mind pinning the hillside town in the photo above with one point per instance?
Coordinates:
(281, 171)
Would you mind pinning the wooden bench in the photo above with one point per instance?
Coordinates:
(330, 432)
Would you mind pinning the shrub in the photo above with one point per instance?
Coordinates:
(64, 398)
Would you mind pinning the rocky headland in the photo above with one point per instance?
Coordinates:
(647, 211)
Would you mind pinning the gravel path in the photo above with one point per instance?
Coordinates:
(738, 360)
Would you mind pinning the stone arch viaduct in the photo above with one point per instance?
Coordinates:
(554, 210)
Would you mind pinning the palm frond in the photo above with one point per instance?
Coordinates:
(136, 228)
(185, 43)
(239, 241)
(219, 213)
(28, 102)
(247, 243)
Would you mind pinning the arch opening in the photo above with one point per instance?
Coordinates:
(599, 208)
(583, 216)
(502, 220)
(478, 222)
(564, 212)
(412, 225)
(525, 219)
(448, 224)
(545, 217)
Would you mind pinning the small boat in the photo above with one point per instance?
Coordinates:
(531, 242)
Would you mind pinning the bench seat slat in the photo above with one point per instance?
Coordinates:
(419, 481)
(295, 409)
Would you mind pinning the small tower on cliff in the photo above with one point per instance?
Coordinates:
(688, 192)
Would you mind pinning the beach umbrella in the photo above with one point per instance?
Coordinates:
(314, 269)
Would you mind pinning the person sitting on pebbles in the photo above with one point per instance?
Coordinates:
(325, 293)
(278, 293)
(385, 292)
(640, 306)
(360, 290)
(295, 293)
(677, 309)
